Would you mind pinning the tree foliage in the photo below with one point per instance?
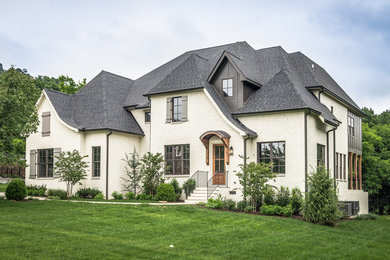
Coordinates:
(152, 172)
(18, 95)
(376, 159)
(71, 169)
(133, 174)
(321, 202)
(253, 178)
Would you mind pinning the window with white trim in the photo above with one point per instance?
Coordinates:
(227, 87)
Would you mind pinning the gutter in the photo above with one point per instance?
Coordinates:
(334, 151)
(246, 138)
(307, 112)
(107, 157)
(319, 94)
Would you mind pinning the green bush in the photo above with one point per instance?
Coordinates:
(229, 204)
(149, 197)
(36, 190)
(165, 192)
(241, 205)
(178, 190)
(87, 193)
(57, 193)
(189, 186)
(321, 202)
(283, 197)
(99, 196)
(16, 190)
(249, 209)
(296, 201)
(130, 195)
(214, 203)
(271, 210)
(143, 196)
(269, 196)
(117, 195)
(366, 217)
(202, 204)
(288, 210)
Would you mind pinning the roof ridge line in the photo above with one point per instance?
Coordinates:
(117, 75)
(222, 45)
(56, 91)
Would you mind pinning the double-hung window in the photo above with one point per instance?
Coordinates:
(96, 158)
(351, 126)
(177, 158)
(147, 117)
(227, 87)
(274, 153)
(176, 109)
(45, 163)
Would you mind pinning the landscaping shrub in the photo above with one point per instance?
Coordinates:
(152, 170)
(130, 195)
(117, 195)
(249, 209)
(229, 204)
(283, 197)
(189, 186)
(269, 195)
(214, 203)
(149, 197)
(321, 202)
(87, 193)
(36, 190)
(296, 201)
(142, 196)
(241, 205)
(288, 210)
(16, 190)
(165, 192)
(203, 204)
(178, 190)
(366, 217)
(99, 196)
(272, 210)
(57, 193)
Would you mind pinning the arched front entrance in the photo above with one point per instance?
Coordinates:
(220, 154)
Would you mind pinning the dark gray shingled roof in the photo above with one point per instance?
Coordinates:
(98, 105)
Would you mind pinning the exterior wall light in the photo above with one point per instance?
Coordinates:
(231, 151)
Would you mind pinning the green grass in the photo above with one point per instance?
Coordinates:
(3, 187)
(61, 229)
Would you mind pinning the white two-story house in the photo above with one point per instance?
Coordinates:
(208, 111)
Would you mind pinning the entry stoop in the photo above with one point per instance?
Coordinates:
(199, 195)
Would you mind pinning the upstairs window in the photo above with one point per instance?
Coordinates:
(320, 154)
(177, 109)
(227, 87)
(96, 157)
(274, 153)
(351, 126)
(45, 123)
(147, 117)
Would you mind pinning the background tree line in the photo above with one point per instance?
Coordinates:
(19, 92)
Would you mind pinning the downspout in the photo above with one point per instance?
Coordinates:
(307, 112)
(327, 146)
(245, 139)
(107, 157)
(319, 94)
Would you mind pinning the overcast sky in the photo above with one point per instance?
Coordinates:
(350, 39)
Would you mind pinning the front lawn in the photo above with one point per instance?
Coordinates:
(61, 229)
(3, 187)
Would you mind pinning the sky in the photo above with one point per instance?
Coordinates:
(350, 39)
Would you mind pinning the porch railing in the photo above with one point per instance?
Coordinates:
(200, 178)
(216, 180)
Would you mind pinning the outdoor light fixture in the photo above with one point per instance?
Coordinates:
(231, 150)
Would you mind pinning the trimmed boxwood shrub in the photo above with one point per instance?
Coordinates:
(99, 196)
(117, 195)
(130, 195)
(165, 192)
(57, 193)
(36, 190)
(87, 193)
(16, 190)
(178, 189)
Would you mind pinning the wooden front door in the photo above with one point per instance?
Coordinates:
(218, 164)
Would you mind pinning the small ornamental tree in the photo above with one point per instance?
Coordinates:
(253, 178)
(152, 171)
(71, 169)
(321, 202)
(133, 174)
